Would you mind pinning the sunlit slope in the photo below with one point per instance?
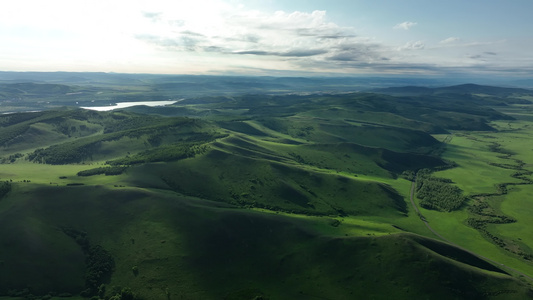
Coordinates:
(341, 131)
(349, 158)
(494, 170)
(76, 136)
(185, 247)
(239, 180)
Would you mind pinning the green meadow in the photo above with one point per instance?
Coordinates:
(480, 172)
(474, 173)
(269, 197)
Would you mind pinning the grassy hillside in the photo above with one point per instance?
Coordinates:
(220, 176)
(190, 248)
(74, 136)
(268, 197)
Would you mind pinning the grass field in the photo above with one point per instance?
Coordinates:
(481, 170)
(474, 173)
(283, 197)
(191, 248)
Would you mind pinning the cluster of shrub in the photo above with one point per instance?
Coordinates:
(408, 175)
(480, 224)
(100, 263)
(297, 158)
(121, 122)
(124, 293)
(489, 214)
(62, 154)
(438, 193)
(5, 187)
(163, 153)
(26, 294)
(497, 148)
(11, 159)
(108, 171)
(482, 215)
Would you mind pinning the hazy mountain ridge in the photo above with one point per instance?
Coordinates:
(469, 88)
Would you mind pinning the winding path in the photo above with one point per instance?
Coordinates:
(412, 194)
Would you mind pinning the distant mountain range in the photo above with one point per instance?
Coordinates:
(304, 83)
(456, 89)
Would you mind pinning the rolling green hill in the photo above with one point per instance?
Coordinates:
(184, 247)
(265, 197)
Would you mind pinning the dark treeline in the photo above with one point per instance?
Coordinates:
(5, 187)
(163, 153)
(115, 170)
(100, 264)
(65, 153)
(438, 193)
(11, 158)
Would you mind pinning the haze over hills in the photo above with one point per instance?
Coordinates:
(456, 89)
(21, 91)
(263, 188)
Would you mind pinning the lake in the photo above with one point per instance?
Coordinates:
(130, 104)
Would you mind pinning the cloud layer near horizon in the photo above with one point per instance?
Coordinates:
(296, 40)
(296, 37)
(218, 36)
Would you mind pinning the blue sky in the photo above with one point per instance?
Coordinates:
(270, 37)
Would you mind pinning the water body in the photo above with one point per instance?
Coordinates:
(130, 104)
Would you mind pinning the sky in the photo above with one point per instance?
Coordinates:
(270, 37)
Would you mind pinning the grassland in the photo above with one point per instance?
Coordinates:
(191, 248)
(494, 171)
(267, 197)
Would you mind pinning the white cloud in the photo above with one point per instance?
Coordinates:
(290, 37)
(205, 36)
(404, 25)
(418, 45)
(450, 40)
